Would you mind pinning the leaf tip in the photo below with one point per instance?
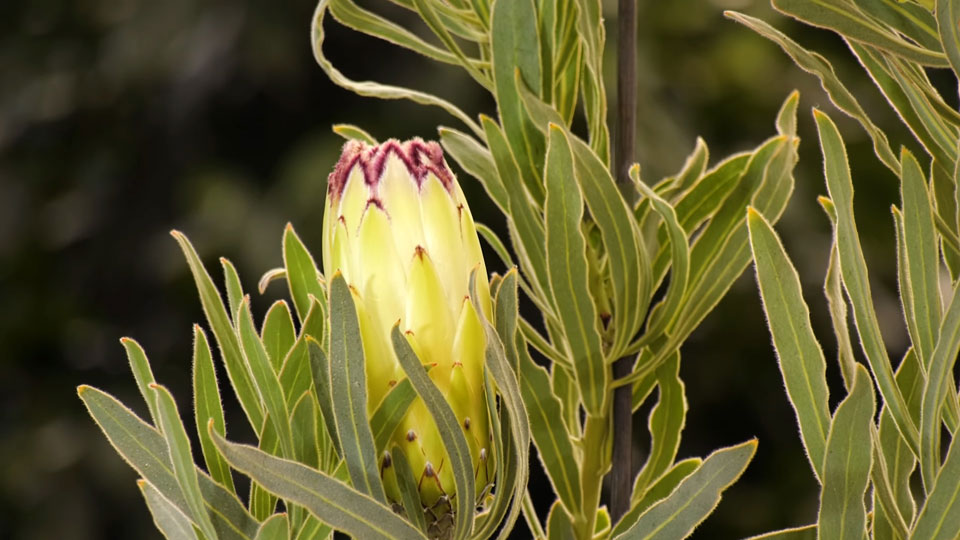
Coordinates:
(81, 389)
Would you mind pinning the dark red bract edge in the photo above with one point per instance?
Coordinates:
(420, 157)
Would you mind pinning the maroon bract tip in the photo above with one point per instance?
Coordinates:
(420, 157)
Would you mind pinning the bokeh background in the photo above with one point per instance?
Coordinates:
(123, 119)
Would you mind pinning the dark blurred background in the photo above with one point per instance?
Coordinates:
(123, 119)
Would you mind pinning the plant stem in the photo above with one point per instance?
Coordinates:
(624, 155)
(596, 459)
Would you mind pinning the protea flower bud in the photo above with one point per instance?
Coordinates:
(398, 228)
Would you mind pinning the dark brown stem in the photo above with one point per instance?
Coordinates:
(621, 472)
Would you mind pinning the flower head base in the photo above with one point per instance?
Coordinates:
(397, 227)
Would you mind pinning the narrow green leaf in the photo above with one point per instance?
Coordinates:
(314, 529)
(301, 273)
(478, 162)
(567, 270)
(275, 528)
(559, 524)
(523, 210)
(668, 309)
(348, 391)
(207, 406)
(552, 440)
(787, 115)
(817, 65)
(920, 243)
(303, 420)
(295, 375)
(935, 390)
(800, 357)
(910, 19)
(695, 497)
(833, 290)
(266, 379)
(666, 422)
(237, 370)
(409, 493)
(234, 289)
(940, 517)
(334, 502)
(644, 496)
(278, 334)
(853, 269)
(178, 446)
(506, 316)
(516, 49)
(844, 19)
(448, 427)
(948, 23)
(140, 366)
(433, 20)
(144, 449)
(320, 368)
(269, 277)
(171, 521)
(847, 463)
(350, 132)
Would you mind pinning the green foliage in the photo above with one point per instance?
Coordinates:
(895, 43)
(592, 251)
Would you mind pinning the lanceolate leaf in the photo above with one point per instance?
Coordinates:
(350, 131)
(516, 48)
(390, 412)
(817, 65)
(567, 269)
(178, 445)
(854, 271)
(801, 358)
(171, 521)
(940, 517)
(301, 273)
(234, 289)
(935, 390)
(275, 528)
(320, 368)
(144, 449)
(278, 333)
(348, 391)
(695, 498)
(846, 466)
(343, 507)
(645, 496)
(549, 434)
(477, 161)
(666, 422)
(142, 373)
(266, 379)
(948, 22)
(237, 370)
(449, 428)
(409, 493)
(206, 404)
(845, 20)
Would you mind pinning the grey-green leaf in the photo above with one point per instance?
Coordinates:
(853, 269)
(144, 449)
(171, 521)
(278, 333)
(847, 463)
(237, 370)
(449, 429)
(567, 270)
(178, 446)
(334, 502)
(301, 273)
(800, 357)
(276, 527)
(348, 391)
(695, 498)
(207, 407)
